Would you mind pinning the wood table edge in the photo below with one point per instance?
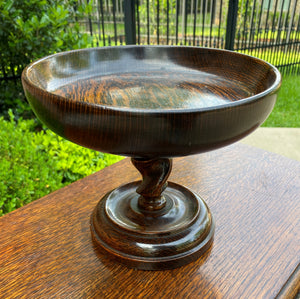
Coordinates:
(291, 289)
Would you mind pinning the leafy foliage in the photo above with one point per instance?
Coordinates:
(34, 164)
(31, 29)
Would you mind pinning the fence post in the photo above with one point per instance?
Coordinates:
(129, 16)
(231, 24)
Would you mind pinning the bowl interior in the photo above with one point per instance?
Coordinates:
(152, 77)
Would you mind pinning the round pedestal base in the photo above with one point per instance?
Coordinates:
(173, 236)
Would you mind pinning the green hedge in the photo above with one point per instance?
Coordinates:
(34, 164)
(30, 30)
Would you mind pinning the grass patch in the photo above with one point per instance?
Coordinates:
(286, 112)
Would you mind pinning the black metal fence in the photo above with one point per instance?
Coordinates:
(268, 29)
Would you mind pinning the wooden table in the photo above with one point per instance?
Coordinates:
(46, 250)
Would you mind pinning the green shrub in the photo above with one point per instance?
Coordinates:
(34, 164)
(31, 29)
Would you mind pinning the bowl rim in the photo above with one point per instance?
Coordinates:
(269, 91)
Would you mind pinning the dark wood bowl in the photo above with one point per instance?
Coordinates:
(152, 103)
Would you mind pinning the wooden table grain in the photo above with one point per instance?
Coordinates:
(46, 249)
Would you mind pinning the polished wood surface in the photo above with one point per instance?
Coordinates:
(46, 250)
(151, 101)
(155, 174)
(167, 238)
(172, 88)
(152, 224)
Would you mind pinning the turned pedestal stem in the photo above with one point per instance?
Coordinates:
(155, 173)
(152, 224)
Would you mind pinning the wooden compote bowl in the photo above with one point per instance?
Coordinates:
(152, 103)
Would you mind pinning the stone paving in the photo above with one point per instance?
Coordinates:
(283, 141)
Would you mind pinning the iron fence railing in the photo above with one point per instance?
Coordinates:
(268, 29)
